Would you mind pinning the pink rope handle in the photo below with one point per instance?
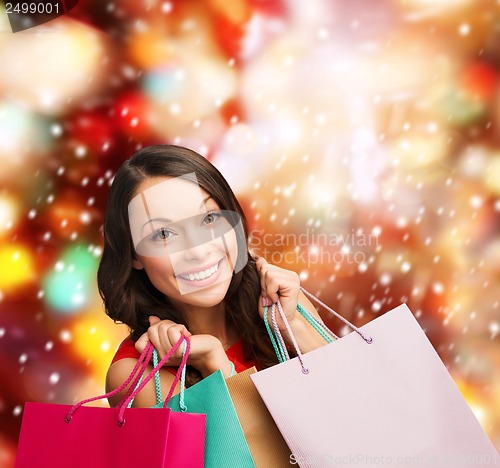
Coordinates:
(141, 365)
(367, 338)
(123, 407)
(178, 375)
(277, 331)
(137, 377)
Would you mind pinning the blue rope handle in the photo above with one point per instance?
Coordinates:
(159, 398)
(182, 406)
(157, 376)
(319, 326)
(233, 369)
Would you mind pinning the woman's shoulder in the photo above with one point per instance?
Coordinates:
(126, 350)
(120, 372)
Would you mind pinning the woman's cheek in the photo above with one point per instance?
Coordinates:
(159, 271)
(232, 247)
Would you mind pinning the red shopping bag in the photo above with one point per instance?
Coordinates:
(64, 436)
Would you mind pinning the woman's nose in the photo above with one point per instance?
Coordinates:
(197, 243)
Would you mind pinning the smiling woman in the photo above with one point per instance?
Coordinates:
(176, 261)
(182, 239)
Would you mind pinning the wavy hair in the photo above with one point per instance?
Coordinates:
(129, 296)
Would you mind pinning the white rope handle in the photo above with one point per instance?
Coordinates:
(367, 338)
(277, 331)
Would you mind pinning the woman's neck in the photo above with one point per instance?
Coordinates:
(210, 321)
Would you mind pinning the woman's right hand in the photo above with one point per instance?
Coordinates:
(207, 353)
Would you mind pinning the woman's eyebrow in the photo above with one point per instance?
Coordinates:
(205, 201)
(150, 221)
(166, 220)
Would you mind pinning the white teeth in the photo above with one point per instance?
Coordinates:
(201, 275)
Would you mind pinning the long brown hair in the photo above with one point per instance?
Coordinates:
(128, 294)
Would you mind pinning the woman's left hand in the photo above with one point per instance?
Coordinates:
(279, 283)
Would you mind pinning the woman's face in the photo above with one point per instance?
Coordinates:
(183, 240)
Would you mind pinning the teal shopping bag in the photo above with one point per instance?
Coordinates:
(225, 444)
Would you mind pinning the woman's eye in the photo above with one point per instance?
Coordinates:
(162, 234)
(211, 217)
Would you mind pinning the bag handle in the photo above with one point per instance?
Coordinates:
(280, 348)
(367, 338)
(280, 340)
(138, 378)
(159, 398)
(123, 407)
(277, 331)
(140, 366)
(317, 324)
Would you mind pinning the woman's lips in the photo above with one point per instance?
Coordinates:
(198, 270)
(194, 278)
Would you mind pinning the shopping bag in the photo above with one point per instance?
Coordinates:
(225, 441)
(380, 395)
(92, 439)
(65, 436)
(268, 448)
(186, 437)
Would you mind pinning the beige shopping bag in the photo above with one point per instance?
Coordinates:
(268, 448)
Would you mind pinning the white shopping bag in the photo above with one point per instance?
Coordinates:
(388, 402)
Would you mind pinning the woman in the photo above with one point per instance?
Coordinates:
(176, 260)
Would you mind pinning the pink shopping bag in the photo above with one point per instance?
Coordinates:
(186, 440)
(378, 396)
(65, 436)
(92, 439)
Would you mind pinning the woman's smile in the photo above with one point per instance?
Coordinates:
(201, 273)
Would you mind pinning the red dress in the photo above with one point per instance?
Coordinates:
(234, 353)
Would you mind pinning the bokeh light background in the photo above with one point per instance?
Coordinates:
(374, 123)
